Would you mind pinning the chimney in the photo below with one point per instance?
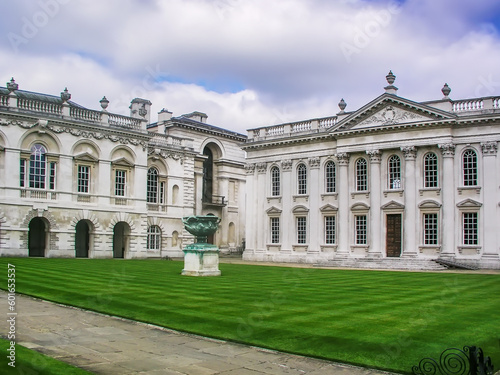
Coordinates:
(141, 109)
(164, 115)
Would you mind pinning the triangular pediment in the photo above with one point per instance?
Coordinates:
(85, 156)
(389, 111)
(393, 205)
(123, 162)
(273, 211)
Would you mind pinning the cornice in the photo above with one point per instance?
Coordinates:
(305, 138)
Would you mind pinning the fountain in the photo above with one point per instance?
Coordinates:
(201, 258)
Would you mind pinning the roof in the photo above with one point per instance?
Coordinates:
(40, 97)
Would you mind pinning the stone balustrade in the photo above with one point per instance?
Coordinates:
(66, 111)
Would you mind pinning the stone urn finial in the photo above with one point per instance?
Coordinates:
(12, 85)
(104, 103)
(446, 91)
(390, 77)
(342, 105)
(65, 95)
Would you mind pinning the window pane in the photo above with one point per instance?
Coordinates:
(430, 170)
(152, 186)
(37, 167)
(394, 172)
(301, 230)
(275, 182)
(470, 228)
(154, 237)
(275, 230)
(83, 178)
(22, 172)
(329, 229)
(361, 230)
(430, 229)
(361, 175)
(470, 168)
(52, 178)
(302, 179)
(330, 176)
(120, 181)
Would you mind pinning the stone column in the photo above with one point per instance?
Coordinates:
(410, 217)
(448, 193)
(314, 220)
(343, 249)
(261, 203)
(375, 250)
(250, 224)
(286, 220)
(490, 200)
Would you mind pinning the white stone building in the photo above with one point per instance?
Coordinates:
(76, 182)
(394, 179)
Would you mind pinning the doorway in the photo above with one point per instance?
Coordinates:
(121, 233)
(82, 239)
(393, 235)
(37, 237)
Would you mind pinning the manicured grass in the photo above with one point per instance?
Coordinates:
(31, 362)
(386, 320)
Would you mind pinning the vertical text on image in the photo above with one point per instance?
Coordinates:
(11, 314)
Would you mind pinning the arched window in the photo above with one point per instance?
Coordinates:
(275, 181)
(394, 167)
(152, 185)
(38, 167)
(301, 179)
(330, 177)
(430, 170)
(469, 160)
(154, 237)
(361, 175)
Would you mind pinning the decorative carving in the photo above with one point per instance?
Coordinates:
(314, 162)
(489, 148)
(286, 165)
(165, 154)
(343, 158)
(391, 115)
(447, 149)
(250, 168)
(375, 155)
(410, 152)
(261, 167)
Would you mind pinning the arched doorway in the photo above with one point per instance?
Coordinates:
(37, 237)
(121, 233)
(82, 239)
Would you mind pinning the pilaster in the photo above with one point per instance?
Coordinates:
(261, 202)
(251, 233)
(491, 194)
(343, 213)
(375, 249)
(448, 220)
(287, 224)
(314, 221)
(410, 217)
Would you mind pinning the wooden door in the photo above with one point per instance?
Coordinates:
(393, 235)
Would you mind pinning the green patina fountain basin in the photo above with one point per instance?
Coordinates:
(201, 226)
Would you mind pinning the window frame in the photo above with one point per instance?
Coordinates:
(301, 179)
(275, 173)
(120, 186)
(465, 235)
(430, 230)
(361, 174)
(152, 185)
(275, 229)
(154, 238)
(394, 173)
(431, 171)
(361, 229)
(470, 172)
(330, 229)
(330, 177)
(81, 178)
(301, 229)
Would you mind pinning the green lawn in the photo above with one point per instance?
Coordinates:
(31, 362)
(387, 320)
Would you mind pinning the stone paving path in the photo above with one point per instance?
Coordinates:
(109, 345)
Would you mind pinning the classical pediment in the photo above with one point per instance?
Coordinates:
(86, 157)
(429, 204)
(273, 211)
(393, 205)
(328, 208)
(360, 207)
(389, 111)
(300, 209)
(469, 203)
(123, 162)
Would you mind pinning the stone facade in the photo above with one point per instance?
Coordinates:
(395, 178)
(85, 183)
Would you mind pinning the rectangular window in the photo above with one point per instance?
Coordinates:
(52, 176)
(470, 228)
(162, 192)
(361, 230)
(83, 178)
(120, 181)
(22, 172)
(301, 230)
(329, 230)
(275, 230)
(430, 229)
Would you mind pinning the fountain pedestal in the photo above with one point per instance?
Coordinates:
(201, 258)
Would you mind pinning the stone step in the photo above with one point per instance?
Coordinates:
(385, 263)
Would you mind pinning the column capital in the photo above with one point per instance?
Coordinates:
(410, 152)
(286, 165)
(343, 158)
(261, 167)
(489, 148)
(447, 149)
(375, 156)
(250, 168)
(314, 162)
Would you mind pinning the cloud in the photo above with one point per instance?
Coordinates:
(248, 64)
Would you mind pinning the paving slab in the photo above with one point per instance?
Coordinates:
(109, 345)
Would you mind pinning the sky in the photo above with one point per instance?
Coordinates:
(250, 63)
